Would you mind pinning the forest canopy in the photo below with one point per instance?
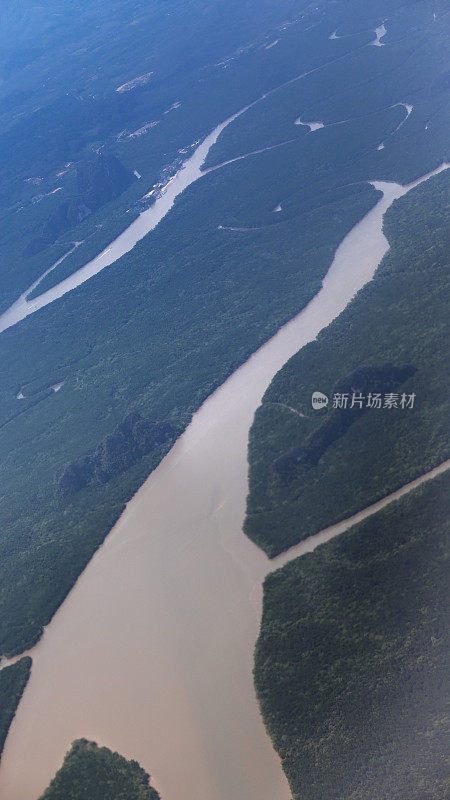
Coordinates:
(13, 680)
(352, 661)
(90, 772)
(307, 472)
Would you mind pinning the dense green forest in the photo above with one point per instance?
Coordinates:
(13, 680)
(90, 772)
(61, 113)
(307, 72)
(352, 661)
(161, 328)
(60, 67)
(308, 472)
(95, 183)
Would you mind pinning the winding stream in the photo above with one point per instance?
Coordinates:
(151, 653)
(145, 222)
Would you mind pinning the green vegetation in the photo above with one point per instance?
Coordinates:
(361, 382)
(401, 319)
(96, 773)
(60, 104)
(96, 182)
(60, 66)
(128, 442)
(13, 680)
(352, 660)
(360, 82)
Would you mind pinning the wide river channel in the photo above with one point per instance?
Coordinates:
(151, 653)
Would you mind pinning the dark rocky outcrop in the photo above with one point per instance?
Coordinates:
(128, 442)
(361, 381)
(97, 182)
(102, 179)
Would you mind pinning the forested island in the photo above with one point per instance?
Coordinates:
(90, 772)
(345, 459)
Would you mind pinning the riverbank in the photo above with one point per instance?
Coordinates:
(396, 326)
